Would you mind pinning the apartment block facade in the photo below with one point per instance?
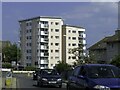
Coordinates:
(41, 41)
(105, 50)
(73, 37)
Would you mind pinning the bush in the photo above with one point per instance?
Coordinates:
(116, 61)
(30, 68)
(6, 65)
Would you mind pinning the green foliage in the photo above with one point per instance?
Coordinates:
(116, 61)
(6, 65)
(61, 67)
(78, 54)
(11, 53)
(30, 68)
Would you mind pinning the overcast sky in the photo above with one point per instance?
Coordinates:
(100, 19)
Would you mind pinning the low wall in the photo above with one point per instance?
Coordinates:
(23, 72)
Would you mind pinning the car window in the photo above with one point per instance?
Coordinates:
(49, 72)
(76, 71)
(103, 72)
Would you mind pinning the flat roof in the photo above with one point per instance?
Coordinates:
(51, 17)
(73, 26)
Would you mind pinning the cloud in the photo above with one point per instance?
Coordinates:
(99, 19)
(91, 10)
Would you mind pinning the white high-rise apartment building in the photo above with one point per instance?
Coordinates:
(42, 41)
(73, 37)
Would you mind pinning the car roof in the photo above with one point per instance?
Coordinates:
(90, 65)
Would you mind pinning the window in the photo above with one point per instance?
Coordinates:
(69, 57)
(69, 31)
(56, 44)
(29, 44)
(74, 38)
(27, 24)
(27, 37)
(51, 36)
(51, 50)
(56, 30)
(30, 37)
(51, 43)
(51, 57)
(51, 65)
(26, 57)
(30, 30)
(56, 50)
(73, 44)
(51, 23)
(57, 23)
(73, 31)
(57, 37)
(69, 44)
(76, 71)
(37, 50)
(73, 57)
(69, 37)
(56, 57)
(51, 30)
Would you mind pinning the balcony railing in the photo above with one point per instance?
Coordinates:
(44, 61)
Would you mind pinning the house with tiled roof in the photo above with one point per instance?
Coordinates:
(106, 49)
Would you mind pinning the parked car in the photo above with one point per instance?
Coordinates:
(95, 77)
(35, 74)
(49, 77)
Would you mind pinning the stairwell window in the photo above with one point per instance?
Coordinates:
(73, 31)
(56, 51)
(56, 23)
(56, 30)
(56, 44)
(74, 38)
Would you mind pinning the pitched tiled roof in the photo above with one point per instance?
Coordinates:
(102, 43)
(114, 38)
(99, 45)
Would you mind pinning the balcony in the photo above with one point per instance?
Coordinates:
(44, 61)
(44, 39)
(44, 47)
(44, 54)
(84, 35)
(44, 32)
(44, 25)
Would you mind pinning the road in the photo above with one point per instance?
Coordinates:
(25, 82)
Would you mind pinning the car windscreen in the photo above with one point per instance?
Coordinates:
(104, 72)
(49, 72)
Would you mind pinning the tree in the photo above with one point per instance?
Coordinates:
(61, 67)
(78, 54)
(11, 53)
(116, 61)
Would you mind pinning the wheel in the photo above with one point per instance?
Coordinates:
(38, 83)
(68, 87)
(60, 86)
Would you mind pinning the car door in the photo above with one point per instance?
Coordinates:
(82, 77)
(73, 78)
